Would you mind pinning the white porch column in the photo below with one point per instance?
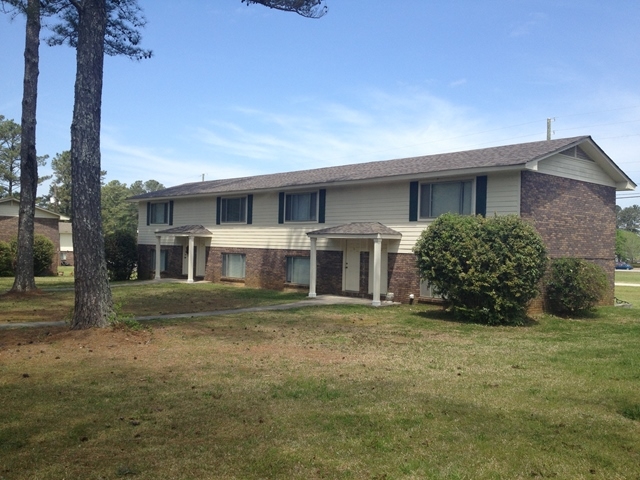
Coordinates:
(313, 270)
(190, 259)
(158, 257)
(377, 262)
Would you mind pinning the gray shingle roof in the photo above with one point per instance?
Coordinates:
(197, 230)
(494, 157)
(357, 229)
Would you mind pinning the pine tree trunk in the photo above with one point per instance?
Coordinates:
(93, 302)
(24, 280)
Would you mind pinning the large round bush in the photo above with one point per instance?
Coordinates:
(575, 286)
(487, 269)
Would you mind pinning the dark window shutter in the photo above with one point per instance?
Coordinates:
(322, 204)
(414, 188)
(218, 209)
(281, 207)
(249, 209)
(171, 212)
(481, 195)
(148, 213)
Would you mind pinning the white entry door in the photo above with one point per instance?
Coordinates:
(352, 266)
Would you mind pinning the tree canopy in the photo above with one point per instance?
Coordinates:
(118, 215)
(629, 218)
(9, 156)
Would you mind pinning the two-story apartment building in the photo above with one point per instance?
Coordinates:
(351, 229)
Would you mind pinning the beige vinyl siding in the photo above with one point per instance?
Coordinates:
(387, 203)
(503, 194)
(576, 169)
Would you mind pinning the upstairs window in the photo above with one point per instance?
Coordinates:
(446, 197)
(233, 210)
(301, 207)
(159, 213)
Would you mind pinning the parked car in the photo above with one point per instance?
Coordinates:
(623, 266)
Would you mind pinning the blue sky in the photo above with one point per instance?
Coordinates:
(235, 90)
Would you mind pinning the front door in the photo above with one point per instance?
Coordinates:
(352, 266)
(185, 263)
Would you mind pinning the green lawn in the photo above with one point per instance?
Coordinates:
(344, 392)
(628, 276)
(55, 303)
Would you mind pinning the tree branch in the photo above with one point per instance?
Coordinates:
(305, 8)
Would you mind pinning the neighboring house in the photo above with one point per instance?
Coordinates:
(351, 229)
(45, 223)
(66, 244)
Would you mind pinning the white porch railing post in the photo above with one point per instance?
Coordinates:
(313, 268)
(158, 255)
(377, 262)
(190, 259)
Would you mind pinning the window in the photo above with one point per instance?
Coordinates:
(159, 213)
(301, 207)
(233, 265)
(163, 260)
(298, 270)
(449, 197)
(428, 291)
(233, 210)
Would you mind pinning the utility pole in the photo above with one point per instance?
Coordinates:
(549, 132)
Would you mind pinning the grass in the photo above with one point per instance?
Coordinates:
(340, 392)
(142, 300)
(628, 276)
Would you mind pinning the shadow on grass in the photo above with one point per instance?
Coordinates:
(444, 315)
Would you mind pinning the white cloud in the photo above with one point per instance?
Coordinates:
(379, 125)
(527, 27)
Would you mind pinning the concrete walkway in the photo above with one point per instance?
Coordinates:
(309, 302)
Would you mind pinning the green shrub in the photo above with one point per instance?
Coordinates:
(575, 286)
(487, 269)
(6, 260)
(43, 253)
(121, 254)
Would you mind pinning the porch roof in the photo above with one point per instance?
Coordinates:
(357, 230)
(186, 231)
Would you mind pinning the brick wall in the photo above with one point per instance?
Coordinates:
(69, 257)
(404, 278)
(574, 218)
(146, 268)
(266, 268)
(42, 226)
